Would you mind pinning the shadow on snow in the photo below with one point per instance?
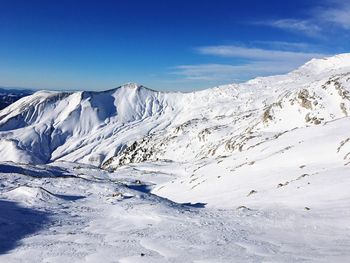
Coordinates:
(147, 189)
(17, 222)
(50, 171)
(195, 205)
(140, 187)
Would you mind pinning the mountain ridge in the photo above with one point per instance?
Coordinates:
(95, 127)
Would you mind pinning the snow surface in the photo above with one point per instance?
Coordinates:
(252, 172)
(95, 216)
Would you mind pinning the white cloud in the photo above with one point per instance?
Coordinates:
(283, 45)
(257, 53)
(296, 25)
(327, 13)
(208, 72)
(338, 15)
(260, 62)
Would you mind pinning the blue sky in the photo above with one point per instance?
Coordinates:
(165, 45)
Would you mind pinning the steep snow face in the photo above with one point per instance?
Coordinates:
(48, 125)
(133, 124)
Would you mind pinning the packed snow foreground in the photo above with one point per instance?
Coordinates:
(252, 172)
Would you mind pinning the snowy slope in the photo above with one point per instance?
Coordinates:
(251, 172)
(92, 127)
(77, 213)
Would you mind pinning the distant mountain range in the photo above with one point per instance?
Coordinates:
(9, 96)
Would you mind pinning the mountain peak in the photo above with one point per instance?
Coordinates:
(131, 85)
(326, 64)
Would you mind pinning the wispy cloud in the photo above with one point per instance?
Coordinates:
(225, 72)
(206, 72)
(263, 58)
(338, 15)
(296, 25)
(259, 62)
(328, 13)
(256, 53)
(283, 45)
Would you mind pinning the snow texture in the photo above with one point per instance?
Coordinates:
(251, 172)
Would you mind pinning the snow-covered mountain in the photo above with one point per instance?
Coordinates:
(132, 123)
(295, 120)
(122, 175)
